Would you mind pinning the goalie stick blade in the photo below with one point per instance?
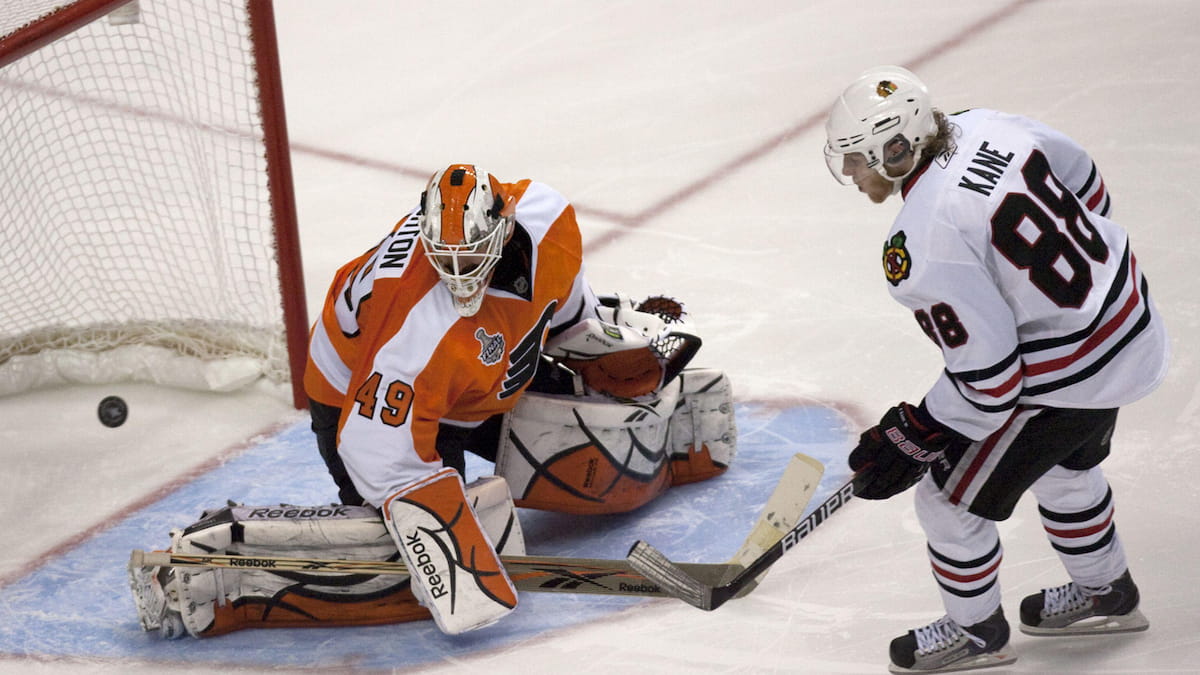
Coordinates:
(674, 577)
(653, 565)
(782, 511)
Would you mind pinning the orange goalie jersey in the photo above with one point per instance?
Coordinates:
(393, 354)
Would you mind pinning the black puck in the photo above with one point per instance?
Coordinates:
(113, 411)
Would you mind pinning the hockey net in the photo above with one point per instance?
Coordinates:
(145, 197)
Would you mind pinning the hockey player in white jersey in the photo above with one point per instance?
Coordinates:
(1005, 253)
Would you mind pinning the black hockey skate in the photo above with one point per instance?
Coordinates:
(944, 646)
(1072, 609)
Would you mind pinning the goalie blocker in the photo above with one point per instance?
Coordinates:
(209, 602)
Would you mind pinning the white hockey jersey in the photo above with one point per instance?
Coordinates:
(1005, 253)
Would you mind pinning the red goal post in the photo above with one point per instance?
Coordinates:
(147, 212)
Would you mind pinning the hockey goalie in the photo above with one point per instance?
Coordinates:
(469, 328)
(577, 450)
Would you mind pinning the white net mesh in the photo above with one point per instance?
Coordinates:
(134, 204)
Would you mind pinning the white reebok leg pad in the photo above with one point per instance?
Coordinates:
(455, 569)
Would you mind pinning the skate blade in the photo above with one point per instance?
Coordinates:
(1000, 657)
(1132, 622)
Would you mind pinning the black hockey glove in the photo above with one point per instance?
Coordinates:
(894, 454)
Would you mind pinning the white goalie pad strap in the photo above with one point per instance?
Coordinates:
(184, 601)
(456, 572)
(493, 505)
(705, 415)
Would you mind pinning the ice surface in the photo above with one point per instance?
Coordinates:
(689, 136)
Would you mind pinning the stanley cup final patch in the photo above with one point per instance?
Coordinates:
(491, 347)
(897, 263)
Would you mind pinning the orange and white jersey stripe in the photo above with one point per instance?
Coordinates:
(394, 355)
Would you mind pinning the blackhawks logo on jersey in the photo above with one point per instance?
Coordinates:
(897, 263)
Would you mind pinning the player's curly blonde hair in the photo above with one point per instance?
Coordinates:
(942, 140)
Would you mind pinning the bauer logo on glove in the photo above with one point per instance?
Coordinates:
(896, 436)
(893, 455)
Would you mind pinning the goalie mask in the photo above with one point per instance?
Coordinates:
(464, 223)
(880, 120)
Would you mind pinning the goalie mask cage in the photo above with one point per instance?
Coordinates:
(146, 202)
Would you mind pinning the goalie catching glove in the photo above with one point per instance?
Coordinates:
(630, 351)
(894, 455)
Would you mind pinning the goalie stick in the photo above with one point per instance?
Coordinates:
(698, 592)
(543, 574)
(551, 574)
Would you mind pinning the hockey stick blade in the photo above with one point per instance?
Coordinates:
(778, 516)
(679, 584)
(539, 574)
(782, 511)
(674, 577)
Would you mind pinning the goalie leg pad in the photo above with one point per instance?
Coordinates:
(206, 603)
(586, 455)
(457, 572)
(703, 427)
(591, 455)
(210, 602)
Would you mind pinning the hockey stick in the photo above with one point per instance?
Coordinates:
(676, 578)
(550, 574)
(783, 509)
(544, 574)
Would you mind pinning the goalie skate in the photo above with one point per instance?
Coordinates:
(150, 596)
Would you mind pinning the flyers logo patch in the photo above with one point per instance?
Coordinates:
(897, 263)
(491, 347)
